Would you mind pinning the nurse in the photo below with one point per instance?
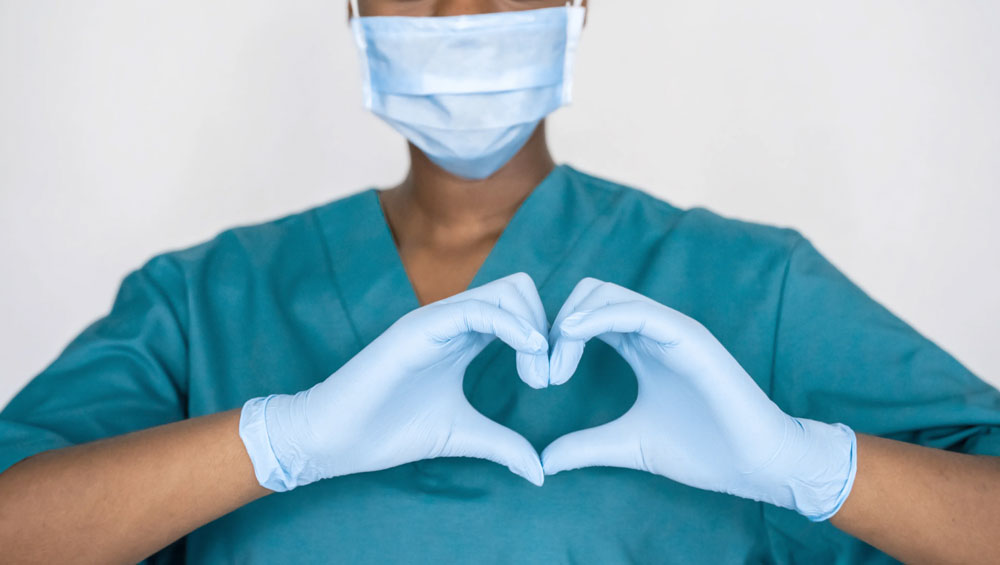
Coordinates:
(377, 379)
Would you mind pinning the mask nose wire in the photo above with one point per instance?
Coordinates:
(357, 13)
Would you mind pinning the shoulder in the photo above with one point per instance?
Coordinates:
(285, 246)
(638, 211)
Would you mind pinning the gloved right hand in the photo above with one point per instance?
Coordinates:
(400, 399)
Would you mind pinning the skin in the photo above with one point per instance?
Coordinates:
(121, 499)
(444, 226)
(924, 505)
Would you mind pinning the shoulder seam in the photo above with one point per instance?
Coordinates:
(781, 303)
(184, 330)
(618, 188)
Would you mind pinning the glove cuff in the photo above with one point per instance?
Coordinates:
(820, 490)
(253, 431)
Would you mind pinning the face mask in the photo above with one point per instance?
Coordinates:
(469, 90)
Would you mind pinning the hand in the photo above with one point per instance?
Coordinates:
(400, 399)
(699, 418)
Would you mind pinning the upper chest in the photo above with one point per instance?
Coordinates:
(438, 273)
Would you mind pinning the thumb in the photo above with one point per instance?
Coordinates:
(475, 435)
(612, 445)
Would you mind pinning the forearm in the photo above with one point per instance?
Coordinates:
(924, 505)
(124, 498)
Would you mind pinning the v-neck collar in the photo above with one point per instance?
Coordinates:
(368, 271)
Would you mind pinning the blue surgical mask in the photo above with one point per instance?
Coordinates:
(469, 90)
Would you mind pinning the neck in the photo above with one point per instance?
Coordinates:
(433, 208)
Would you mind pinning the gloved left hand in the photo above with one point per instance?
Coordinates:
(699, 419)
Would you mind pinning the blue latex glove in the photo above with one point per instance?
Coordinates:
(699, 418)
(400, 399)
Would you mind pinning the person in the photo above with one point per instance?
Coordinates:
(373, 379)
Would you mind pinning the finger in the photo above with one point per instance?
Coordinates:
(475, 435)
(533, 368)
(591, 293)
(518, 295)
(612, 445)
(566, 355)
(567, 350)
(458, 318)
(656, 321)
(530, 306)
(515, 293)
(659, 323)
(579, 293)
(525, 286)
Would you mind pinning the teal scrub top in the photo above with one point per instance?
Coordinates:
(277, 307)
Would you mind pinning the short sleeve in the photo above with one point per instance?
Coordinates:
(840, 356)
(124, 372)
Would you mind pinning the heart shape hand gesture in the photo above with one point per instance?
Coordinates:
(699, 418)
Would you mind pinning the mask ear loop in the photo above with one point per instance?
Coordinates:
(574, 28)
(359, 39)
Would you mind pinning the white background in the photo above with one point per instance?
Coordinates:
(128, 128)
